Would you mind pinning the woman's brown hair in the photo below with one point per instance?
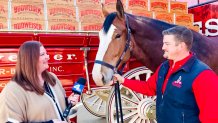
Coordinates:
(26, 68)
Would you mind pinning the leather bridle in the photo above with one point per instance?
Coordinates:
(127, 46)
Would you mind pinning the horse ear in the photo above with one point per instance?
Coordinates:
(104, 11)
(120, 10)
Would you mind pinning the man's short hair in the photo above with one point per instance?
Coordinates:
(182, 34)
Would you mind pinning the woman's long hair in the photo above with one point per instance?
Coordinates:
(26, 72)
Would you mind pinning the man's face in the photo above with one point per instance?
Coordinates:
(170, 47)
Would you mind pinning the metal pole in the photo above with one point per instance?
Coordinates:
(86, 49)
(118, 103)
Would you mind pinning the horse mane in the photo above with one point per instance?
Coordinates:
(161, 24)
(199, 41)
(154, 22)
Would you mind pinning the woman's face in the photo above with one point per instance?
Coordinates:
(43, 60)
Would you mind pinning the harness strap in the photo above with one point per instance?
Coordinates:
(50, 94)
(105, 64)
(127, 46)
(111, 66)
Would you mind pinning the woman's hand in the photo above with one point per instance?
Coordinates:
(74, 98)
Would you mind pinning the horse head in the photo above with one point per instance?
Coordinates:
(113, 50)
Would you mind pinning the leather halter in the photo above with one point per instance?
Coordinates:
(127, 46)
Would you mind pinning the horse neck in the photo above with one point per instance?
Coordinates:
(206, 50)
(141, 26)
(147, 41)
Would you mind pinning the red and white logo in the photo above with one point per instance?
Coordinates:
(178, 82)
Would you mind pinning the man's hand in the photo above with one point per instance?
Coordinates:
(118, 78)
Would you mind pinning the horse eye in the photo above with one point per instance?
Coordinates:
(117, 36)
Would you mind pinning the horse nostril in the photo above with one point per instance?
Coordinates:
(103, 79)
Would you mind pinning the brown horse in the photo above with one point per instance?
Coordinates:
(124, 34)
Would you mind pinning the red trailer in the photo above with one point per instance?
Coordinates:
(72, 56)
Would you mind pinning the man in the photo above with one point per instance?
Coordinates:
(186, 88)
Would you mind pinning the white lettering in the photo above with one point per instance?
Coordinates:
(58, 57)
(69, 56)
(2, 71)
(12, 70)
(8, 72)
(210, 26)
(60, 69)
(12, 58)
(56, 69)
(1, 56)
(199, 24)
(2, 85)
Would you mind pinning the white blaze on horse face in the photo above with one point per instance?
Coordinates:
(105, 40)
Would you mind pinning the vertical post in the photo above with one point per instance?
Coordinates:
(85, 50)
(118, 103)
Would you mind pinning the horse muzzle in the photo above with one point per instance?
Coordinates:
(102, 77)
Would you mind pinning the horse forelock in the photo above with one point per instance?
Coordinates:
(108, 21)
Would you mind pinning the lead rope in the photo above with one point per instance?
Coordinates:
(117, 85)
(118, 101)
(50, 94)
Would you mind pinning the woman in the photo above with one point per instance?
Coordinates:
(33, 94)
